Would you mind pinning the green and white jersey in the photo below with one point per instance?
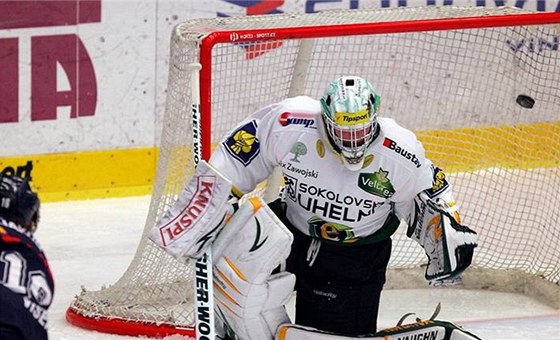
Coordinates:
(324, 198)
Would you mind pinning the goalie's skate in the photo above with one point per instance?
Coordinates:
(420, 329)
(449, 282)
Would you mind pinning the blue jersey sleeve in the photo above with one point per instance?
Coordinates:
(26, 283)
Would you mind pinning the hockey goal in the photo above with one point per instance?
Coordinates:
(480, 87)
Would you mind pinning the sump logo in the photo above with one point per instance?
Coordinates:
(291, 118)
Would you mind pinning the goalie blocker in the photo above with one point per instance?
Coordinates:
(190, 226)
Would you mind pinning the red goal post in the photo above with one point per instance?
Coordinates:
(461, 78)
(263, 34)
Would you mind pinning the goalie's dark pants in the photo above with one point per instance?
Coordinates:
(340, 291)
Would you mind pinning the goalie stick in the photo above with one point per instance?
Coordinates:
(204, 276)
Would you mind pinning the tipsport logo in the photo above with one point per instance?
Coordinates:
(346, 118)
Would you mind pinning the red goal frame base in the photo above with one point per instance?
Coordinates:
(126, 327)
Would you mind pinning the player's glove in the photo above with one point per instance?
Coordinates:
(448, 244)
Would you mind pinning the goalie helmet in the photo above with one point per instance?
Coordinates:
(350, 115)
(18, 203)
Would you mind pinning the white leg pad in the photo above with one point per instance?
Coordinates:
(249, 300)
(429, 329)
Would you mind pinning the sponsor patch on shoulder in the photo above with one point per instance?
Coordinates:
(292, 118)
(243, 144)
(439, 182)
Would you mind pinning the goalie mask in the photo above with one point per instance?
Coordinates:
(18, 203)
(350, 115)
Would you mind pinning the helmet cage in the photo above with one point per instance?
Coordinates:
(351, 132)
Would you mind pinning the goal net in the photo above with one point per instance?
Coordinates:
(479, 86)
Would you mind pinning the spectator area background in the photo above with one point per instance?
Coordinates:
(82, 84)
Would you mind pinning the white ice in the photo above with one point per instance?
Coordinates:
(91, 243)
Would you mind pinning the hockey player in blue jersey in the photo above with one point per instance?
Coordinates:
(26, 282)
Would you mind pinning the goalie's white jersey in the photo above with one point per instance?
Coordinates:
(323, 198)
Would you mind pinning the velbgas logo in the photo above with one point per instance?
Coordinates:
(193, 211)
(376, 183)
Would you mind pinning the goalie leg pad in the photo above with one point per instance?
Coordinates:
(429, 329)
(249, 300)
(188, 228)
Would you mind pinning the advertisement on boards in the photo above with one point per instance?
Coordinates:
(83, 83)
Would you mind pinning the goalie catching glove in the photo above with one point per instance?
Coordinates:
(448, 244)
(190, 226)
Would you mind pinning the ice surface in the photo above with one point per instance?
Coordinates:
(91, 243)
